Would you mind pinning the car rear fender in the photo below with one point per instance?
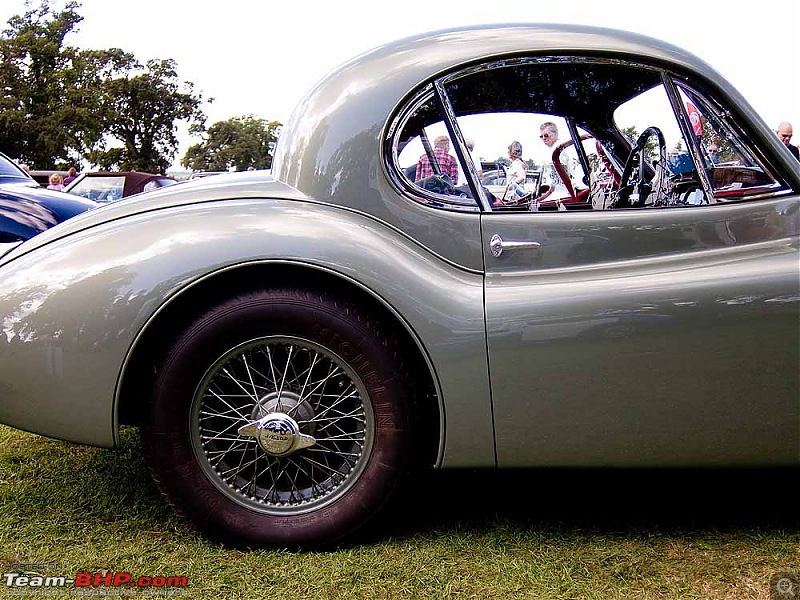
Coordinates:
(74, 312)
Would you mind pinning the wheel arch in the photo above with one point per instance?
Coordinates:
(138, 370)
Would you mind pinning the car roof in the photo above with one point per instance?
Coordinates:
(342, 122)
(42, 176)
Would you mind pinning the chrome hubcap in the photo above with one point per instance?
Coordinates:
(282, 425)
(277, 434)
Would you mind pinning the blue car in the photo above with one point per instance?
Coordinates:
(26, 209)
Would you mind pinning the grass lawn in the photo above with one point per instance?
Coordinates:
(482, 535)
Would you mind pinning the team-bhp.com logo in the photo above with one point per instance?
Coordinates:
(25, 580)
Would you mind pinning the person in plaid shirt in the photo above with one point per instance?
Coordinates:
(447, 163)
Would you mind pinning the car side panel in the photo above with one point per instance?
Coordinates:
(71, 310)
(664, 337)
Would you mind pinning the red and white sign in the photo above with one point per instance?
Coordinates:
(694, 118)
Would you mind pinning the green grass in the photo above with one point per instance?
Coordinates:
(462, 535)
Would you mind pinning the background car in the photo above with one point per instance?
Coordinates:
(295, 347)
(26, 209)
(12, 174)
(495, 181)
(107, 186)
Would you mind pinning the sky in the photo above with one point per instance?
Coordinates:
(259, 57)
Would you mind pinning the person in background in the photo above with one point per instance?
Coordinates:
(71, 174)
(516, 173)
(713, 153)
(447, 163)
(548, 133)
(784, 132)
(56, 182)
(462, 178)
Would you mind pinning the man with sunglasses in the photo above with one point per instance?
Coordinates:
(548, 133)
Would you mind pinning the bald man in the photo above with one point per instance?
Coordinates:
(784, 132)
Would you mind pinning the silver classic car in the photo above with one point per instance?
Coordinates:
(292, 346)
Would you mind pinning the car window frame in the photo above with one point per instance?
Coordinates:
(101, 187)
(672, 79)
(727, 120)
(396, 125)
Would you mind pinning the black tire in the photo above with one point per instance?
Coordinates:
(323, 363)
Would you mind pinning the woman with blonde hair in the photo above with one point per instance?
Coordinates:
(56, 182)
(516, 173)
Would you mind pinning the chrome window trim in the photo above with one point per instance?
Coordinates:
(460, 146)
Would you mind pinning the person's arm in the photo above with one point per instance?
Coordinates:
(477, 162)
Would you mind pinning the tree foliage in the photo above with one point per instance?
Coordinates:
(37, 124)
(237, 143)
(141, 105)
(59, 104)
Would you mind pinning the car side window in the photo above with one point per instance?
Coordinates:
(426, 161)
(9, 169)
(524, 158)
(732, 169)
(662, 170)
(597, 131)
(572, 133)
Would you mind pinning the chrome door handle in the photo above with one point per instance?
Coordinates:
(497, 245)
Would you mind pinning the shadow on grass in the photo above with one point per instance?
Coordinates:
(59, 483)
(606, 500)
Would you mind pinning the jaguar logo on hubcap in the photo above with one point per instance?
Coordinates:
(277, 434)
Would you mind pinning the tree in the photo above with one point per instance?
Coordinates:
(650, 145)
(141, 110)
(59, 104)
(240, 142)
(39, 120)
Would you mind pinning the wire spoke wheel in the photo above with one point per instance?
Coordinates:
(281, 424)
(281, 418)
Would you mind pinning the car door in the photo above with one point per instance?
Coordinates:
(651, 317)
(652, 338)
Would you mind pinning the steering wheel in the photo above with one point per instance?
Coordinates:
(636, 162)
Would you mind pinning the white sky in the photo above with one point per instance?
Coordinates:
(259, 57)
